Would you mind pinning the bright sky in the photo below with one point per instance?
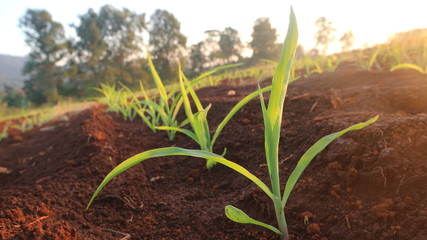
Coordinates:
(371, 21)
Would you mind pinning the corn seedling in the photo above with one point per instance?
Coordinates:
(198, 121)
(118, 101)
(272, 120)
(238, 74)
(168, 105)
(146, 111)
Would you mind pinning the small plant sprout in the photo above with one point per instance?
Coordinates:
(169, 104)
(198, 121)
(272, 120)
(118, 100)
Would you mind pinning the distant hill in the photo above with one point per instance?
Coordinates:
(10, 71)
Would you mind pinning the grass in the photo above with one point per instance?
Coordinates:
(272, 115)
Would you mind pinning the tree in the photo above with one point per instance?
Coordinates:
(324, 34)
(46, 39)
(217, 48)
(347, 41)
(230, 45)
(197, 59)
(109, 42)
(167, 42)
(263, 40)
(14, 98)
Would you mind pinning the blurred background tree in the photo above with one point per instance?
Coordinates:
(47, 41)
(230, 45)
(167, 43)
(324, 35)
(264, 40)
(14, 98)
(347, 41)
(109, 43)
(197, 59)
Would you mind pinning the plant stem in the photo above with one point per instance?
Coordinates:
(275, 183)
(280, 215)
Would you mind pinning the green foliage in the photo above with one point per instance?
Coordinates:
(46, 39)
(118, 100)
(218, 48)
(263, 40)
(14, 98)
(147, 111)
(105, 51)
(197, 59)
(230, 45)
(167, 43)
(201, 133)
(316, 64)
(168, 105)
(258, 72)
(272, 122)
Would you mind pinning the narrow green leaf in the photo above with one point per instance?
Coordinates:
(205, 74)
(312, 152)
(374, 57)
(235, 109)
(157, 80)
(173, 151)
(407, 66)
(181, 130)
(281, 76)
(239, 216)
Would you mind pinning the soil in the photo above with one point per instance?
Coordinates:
(369, 184)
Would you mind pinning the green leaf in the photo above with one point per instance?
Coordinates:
(312, 152)
(408, 66)
(174, 151)
(205, 74)
(181, 130)
(281, 76)
(235, 109)
(237, 215)
(157, 80)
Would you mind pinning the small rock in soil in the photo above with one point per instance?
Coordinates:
(313, 228)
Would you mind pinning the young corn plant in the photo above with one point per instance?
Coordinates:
(118, 100)
(272, 119)
(201, 133)
(146, 111)
(168, 105)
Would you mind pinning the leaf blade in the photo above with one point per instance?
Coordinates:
(173, 151)
(237, 215)
(313, 151)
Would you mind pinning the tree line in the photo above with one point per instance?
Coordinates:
(109, 47)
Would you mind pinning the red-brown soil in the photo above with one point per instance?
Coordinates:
(369, 184)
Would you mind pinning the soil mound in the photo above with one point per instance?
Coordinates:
(369, 184)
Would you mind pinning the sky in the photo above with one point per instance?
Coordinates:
(372, 21)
